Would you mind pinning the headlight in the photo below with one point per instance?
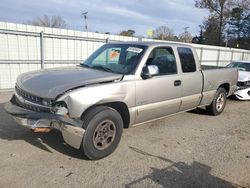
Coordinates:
(60, 108)
(247, 83)
(47, 102)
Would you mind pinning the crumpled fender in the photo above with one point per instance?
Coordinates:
(81, 99)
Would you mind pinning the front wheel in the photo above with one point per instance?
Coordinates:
(219, 102)
(103, 132)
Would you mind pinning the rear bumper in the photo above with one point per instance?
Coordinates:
(71, 129)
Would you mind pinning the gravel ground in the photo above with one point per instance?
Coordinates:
(187, 150)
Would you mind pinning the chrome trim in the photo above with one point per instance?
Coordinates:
(24, 101)
(28, 96)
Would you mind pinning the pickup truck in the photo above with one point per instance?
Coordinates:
(120, 85)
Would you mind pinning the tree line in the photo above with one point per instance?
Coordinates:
(228, 24)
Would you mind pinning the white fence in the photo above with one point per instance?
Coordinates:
(25, 48)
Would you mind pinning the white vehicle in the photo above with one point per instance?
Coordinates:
(243, 89)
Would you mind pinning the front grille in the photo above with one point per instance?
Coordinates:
(33, 102)
(28, 96)
(29, 106)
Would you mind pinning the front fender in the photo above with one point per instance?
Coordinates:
(81, 99)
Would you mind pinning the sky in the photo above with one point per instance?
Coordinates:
(110, 15)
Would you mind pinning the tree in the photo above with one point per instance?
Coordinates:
(220, 11)
(129, 33)
(246, 28)
(201, 36)
(236, 22)
(210, 29)
(46, 21)
(163, 33)
(239, 26)
(199, 39)
(186, 36)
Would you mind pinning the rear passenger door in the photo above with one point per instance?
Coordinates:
(160, 95)
(192, 81)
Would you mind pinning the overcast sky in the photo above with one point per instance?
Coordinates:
(110, 15)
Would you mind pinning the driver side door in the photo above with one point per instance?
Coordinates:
(160, 95)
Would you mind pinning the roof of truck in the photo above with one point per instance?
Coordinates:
(152, 43)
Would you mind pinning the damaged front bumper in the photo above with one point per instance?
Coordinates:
(71, 129)
(242, 93)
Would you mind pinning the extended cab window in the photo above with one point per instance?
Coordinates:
(164, 59)
(187, 59)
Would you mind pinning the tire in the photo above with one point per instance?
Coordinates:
(104, 127)
(219, 102)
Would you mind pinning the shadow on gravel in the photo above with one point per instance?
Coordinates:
(200, 111)
(10, 130)
(180, 174)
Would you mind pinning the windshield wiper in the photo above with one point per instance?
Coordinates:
(85, 65)
(102, 68)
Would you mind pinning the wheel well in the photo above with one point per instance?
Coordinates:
(119, 107)
(226, 86)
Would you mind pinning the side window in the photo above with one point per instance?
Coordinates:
(132, 58)
(187, 59)
(164, 59)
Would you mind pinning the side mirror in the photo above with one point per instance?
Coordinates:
(149, 71)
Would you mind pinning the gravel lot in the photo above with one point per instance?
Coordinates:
(187, 150)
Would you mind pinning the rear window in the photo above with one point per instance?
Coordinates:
(187, 59)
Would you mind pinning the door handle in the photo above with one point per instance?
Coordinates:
(177, 83)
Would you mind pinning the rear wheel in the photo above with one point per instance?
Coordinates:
(219, 102)
(103, 132)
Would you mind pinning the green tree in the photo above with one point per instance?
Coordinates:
(246, 26)
(220, 11)
(210, 29)
(239, 26)
(236, 22)
(199, 39)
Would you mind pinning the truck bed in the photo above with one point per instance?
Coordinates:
(213, 77)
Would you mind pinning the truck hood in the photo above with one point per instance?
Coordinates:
(244, 76)
(49, 83)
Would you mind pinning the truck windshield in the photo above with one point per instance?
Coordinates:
(117, 58)
(240, 66)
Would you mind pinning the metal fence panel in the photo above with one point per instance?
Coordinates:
(21, 50)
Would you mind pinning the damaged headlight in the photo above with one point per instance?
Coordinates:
(247, 83)
(243, 85)
(60, 108)
(47, 102)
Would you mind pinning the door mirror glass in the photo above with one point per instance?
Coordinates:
(149, 71)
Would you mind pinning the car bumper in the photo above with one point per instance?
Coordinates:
(243, 94)
(71, 129)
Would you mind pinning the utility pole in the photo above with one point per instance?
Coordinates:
(84, 15)
(186, 29)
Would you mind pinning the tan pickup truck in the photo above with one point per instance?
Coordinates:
(118, 86)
